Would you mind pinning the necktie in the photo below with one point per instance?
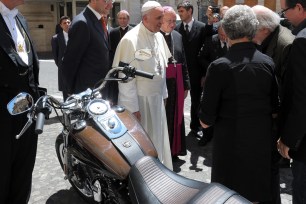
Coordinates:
(186, 29)
(104, 29)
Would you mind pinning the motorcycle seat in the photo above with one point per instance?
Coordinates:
(151, 182)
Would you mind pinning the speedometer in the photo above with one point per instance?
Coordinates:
(97, 107)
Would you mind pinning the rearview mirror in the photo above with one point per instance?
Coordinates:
(21, 103)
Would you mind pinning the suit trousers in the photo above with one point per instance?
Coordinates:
(18, 156)
(299, 182)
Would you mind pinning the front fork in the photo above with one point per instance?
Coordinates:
(65, 135)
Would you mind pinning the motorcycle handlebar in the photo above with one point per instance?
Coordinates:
(144, 74)
(132, 71)
(40, 121)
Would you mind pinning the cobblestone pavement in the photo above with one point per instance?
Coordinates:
(50, 187)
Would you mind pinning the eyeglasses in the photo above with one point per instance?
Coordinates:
(169, 22)
(109, 1)
(283, 12)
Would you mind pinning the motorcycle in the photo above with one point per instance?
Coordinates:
(106, 154)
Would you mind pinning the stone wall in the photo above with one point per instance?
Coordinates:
(272, 4)
(42, 15)
(41, 20)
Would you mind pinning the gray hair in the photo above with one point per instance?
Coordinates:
(143, 13)
(239, 22)
(266, 17)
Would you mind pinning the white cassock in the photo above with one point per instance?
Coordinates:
(146, 95)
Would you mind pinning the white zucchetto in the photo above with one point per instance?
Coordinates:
(150, 5)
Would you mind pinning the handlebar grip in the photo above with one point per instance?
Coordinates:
(144, 74)
(40, 122)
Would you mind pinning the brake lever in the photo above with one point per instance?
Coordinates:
(26, 126)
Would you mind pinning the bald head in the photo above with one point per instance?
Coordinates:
(266, 17)
(123, 18)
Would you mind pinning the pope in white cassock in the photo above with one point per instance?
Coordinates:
(142, 96)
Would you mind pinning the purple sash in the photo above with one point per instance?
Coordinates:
(175, 71)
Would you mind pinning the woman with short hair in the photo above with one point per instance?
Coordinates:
(239, 97)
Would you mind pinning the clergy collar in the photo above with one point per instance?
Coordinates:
(7, 12)
(164, 32)
(95, 12)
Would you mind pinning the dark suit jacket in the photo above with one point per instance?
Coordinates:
(86, 60)
(277, 46)
(11, 65)
(16, 77)
(115, 37)
(58, 49)
(210, 51)
(293, 109)
(192, 45)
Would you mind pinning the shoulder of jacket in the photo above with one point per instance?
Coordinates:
(199, 23)
(176, 33)
(301, 34)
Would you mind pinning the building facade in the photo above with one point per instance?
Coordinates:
(43, 15)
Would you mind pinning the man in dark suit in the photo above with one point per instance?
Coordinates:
(87, 60)
(59, 43)
(18, 73)
(213, 48)
(193, 33)
(292, 142)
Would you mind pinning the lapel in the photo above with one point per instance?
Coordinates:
(193, 30)
(181, 30)
(271, 50)
(61, 40)
(8, 44)
(24, 27)
(118, 34)
(97, 25)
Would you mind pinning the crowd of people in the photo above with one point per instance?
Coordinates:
(243, 70)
